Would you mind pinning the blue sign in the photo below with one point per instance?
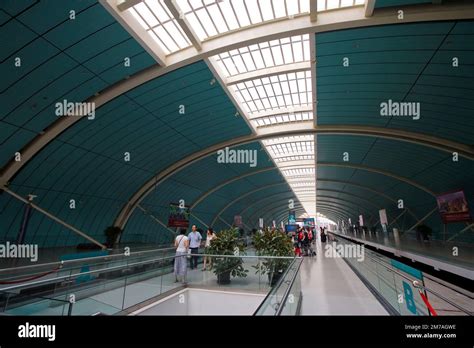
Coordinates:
(409, 300)
(407, 269)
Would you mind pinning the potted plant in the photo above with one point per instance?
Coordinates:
(273, 243)
(111, 234)
(227, 243)
(424, 230)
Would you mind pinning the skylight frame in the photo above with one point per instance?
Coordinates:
(285, 90)
(166, 31)
(264, 55)
(235, 14)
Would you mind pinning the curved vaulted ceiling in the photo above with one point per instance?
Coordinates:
(298, 85)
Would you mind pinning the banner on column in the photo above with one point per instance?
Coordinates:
(383, 217)
(453, 207)
(361, 220)
(260, 222)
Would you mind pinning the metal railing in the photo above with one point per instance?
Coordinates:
(415, 283)
(157, 273)
(274, 304)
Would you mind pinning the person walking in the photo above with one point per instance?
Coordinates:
(323, 236)
(207, 259)
(181, 244)
(194, 244)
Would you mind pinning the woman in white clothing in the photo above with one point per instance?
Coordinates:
(181, 244)
(207, 259)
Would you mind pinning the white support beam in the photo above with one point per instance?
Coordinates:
(313, 53)
(369, 7)
(198, 219)
(154, 218)
(229, 225)
(52, 217)
(126, 4)
(296, 164)
(267, 72)
(281, 111)
(313, 10)
(279, 127)
(423, 218)
(183, 23)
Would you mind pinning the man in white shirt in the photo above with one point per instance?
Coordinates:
(194, 242)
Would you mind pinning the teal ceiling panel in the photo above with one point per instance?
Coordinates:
(196, 180)
(93, 20)
(107, 37)
(22, 36)
(15, 7)
(384, 31)
(463, 27)
(86, 162)
(423, 74)
(49, 74)
(390, 3)
(57, 12)
(9, 146)
(4, 17)
(40, 49)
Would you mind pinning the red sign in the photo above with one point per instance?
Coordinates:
(179, 216)
(453, 207)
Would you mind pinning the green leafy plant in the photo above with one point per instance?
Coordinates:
(111, 235)
(273, 243)
(228, 243)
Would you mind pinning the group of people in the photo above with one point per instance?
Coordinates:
(189, 246)
(304, 240)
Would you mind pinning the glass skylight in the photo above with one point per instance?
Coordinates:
(289, 149)
(273, 92)
(264, 55)
(155, 17)
(209, 18)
